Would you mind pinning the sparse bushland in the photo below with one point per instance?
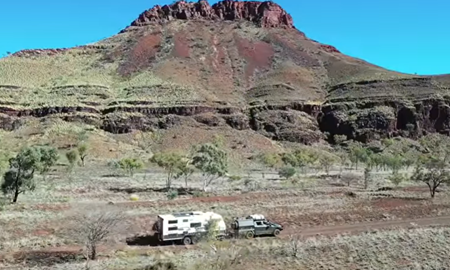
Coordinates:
(391, 155)
(303, 158)
(141, 184)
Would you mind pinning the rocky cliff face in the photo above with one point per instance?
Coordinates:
(263, 14)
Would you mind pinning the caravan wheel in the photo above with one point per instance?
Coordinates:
(187, 241)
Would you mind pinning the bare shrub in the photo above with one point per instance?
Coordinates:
(92, 226)
(349, 178)
(293, 247)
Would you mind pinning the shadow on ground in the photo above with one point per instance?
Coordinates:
(47, 258)
(147, 240)
(181, 191)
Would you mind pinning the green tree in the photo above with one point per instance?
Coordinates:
(359, 154)
(130, 165)
(270, 160)
(327, 160)
(171, 163)
(343, 159)
(211, 160)
(185, 170)
(300, 158)
(397, 178)
(296, 159)
(309, 157)
(72, 157)
(82, 153)
(289, 159)
(49, 157)
(394, 162)
(377, 161)
(431, 171)
(287, 172)
(19, 178)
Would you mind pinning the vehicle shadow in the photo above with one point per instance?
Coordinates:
(147, 240)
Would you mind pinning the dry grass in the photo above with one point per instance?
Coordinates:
(409, 249)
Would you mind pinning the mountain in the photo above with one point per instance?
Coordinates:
(240, 69)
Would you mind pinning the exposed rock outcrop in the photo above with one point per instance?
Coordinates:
(263, 14)
(387, 119)
(300, 123)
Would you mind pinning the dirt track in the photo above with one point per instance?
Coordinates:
(46, 254)
(363, 227)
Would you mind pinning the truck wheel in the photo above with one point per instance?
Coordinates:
(187, 241)
(249, 235)
(276, 232)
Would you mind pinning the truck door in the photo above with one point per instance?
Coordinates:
(261, 228)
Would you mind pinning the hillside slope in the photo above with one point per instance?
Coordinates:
(231, 67)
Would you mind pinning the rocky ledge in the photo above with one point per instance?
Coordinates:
(263, 14)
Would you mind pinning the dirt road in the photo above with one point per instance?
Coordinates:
(58, 253)
(364, 227)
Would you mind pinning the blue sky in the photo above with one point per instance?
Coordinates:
(411, 36)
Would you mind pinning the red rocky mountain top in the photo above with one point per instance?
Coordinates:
(263, 14)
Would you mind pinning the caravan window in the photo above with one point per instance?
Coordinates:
(173, 229)
(196, 225)
(185, 220)
(173, 221)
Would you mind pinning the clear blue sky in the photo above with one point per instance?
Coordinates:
(411, 36)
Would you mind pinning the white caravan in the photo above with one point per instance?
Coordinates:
(187, 227)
